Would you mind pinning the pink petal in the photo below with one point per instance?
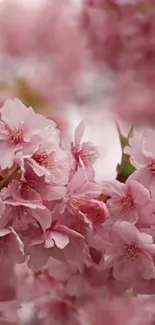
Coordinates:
(43, 216)
(61, 240)
(7, 155)
(112, 187)
(77, 180)
(14, 112)
(68, 231)
(127, 231)
(140, 194)
(143, 176)
(144, 239)
(4, 232)
(16, 248)
(38, 257)
(90, 189)
(79, 132)
(51, 192)
(75, 285)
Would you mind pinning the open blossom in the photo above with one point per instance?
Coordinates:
(49, 159)
(47, 191)
(58, 241)
(142, 156)
(74, 251)
(130, 201)
(22, 207)
(85, 154)
(131, 253)
(18, 127)
(79, 189)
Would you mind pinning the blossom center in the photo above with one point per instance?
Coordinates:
(74, 203)
(127, 202)
(41, 157)
(131, 251)
(15, 136)
(97, 213)
(151, 166)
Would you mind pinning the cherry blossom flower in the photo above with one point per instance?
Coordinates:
(51, 163)
(142, 156)
(18, 127)
(131, 253)
(47, 191)
(129, 42)
(78, 189)
(41, 245)
(85, 154)
(49, 52)
(130, 201)
(73, 250)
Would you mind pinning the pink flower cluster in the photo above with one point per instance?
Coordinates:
(45, 46)
(121, 34)
(66, 255)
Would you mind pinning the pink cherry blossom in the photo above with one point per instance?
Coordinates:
(18, 127)
(85, 154)
(50, 50)
(131, 253)
(53, 163)
(41, 245)
(128, 43)
(142, 156)
(130, 201)
(120, 36)
(78, 189)
(47, 191)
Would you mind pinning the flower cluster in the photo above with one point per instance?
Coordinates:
(43, 60)
(70, 248)
(121, 35)
(122, 32)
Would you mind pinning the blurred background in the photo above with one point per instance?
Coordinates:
(50, 58)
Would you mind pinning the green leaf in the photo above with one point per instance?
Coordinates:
(125, 168)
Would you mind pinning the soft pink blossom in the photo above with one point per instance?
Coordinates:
(142, 156)
(131, 253)
(130, 201)
(58, 241)
(79, 188)
(121, 38)
(85, 154)
(47, 191)
(49, 159)
(18, 127)
(51, 46)
(121, 33)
